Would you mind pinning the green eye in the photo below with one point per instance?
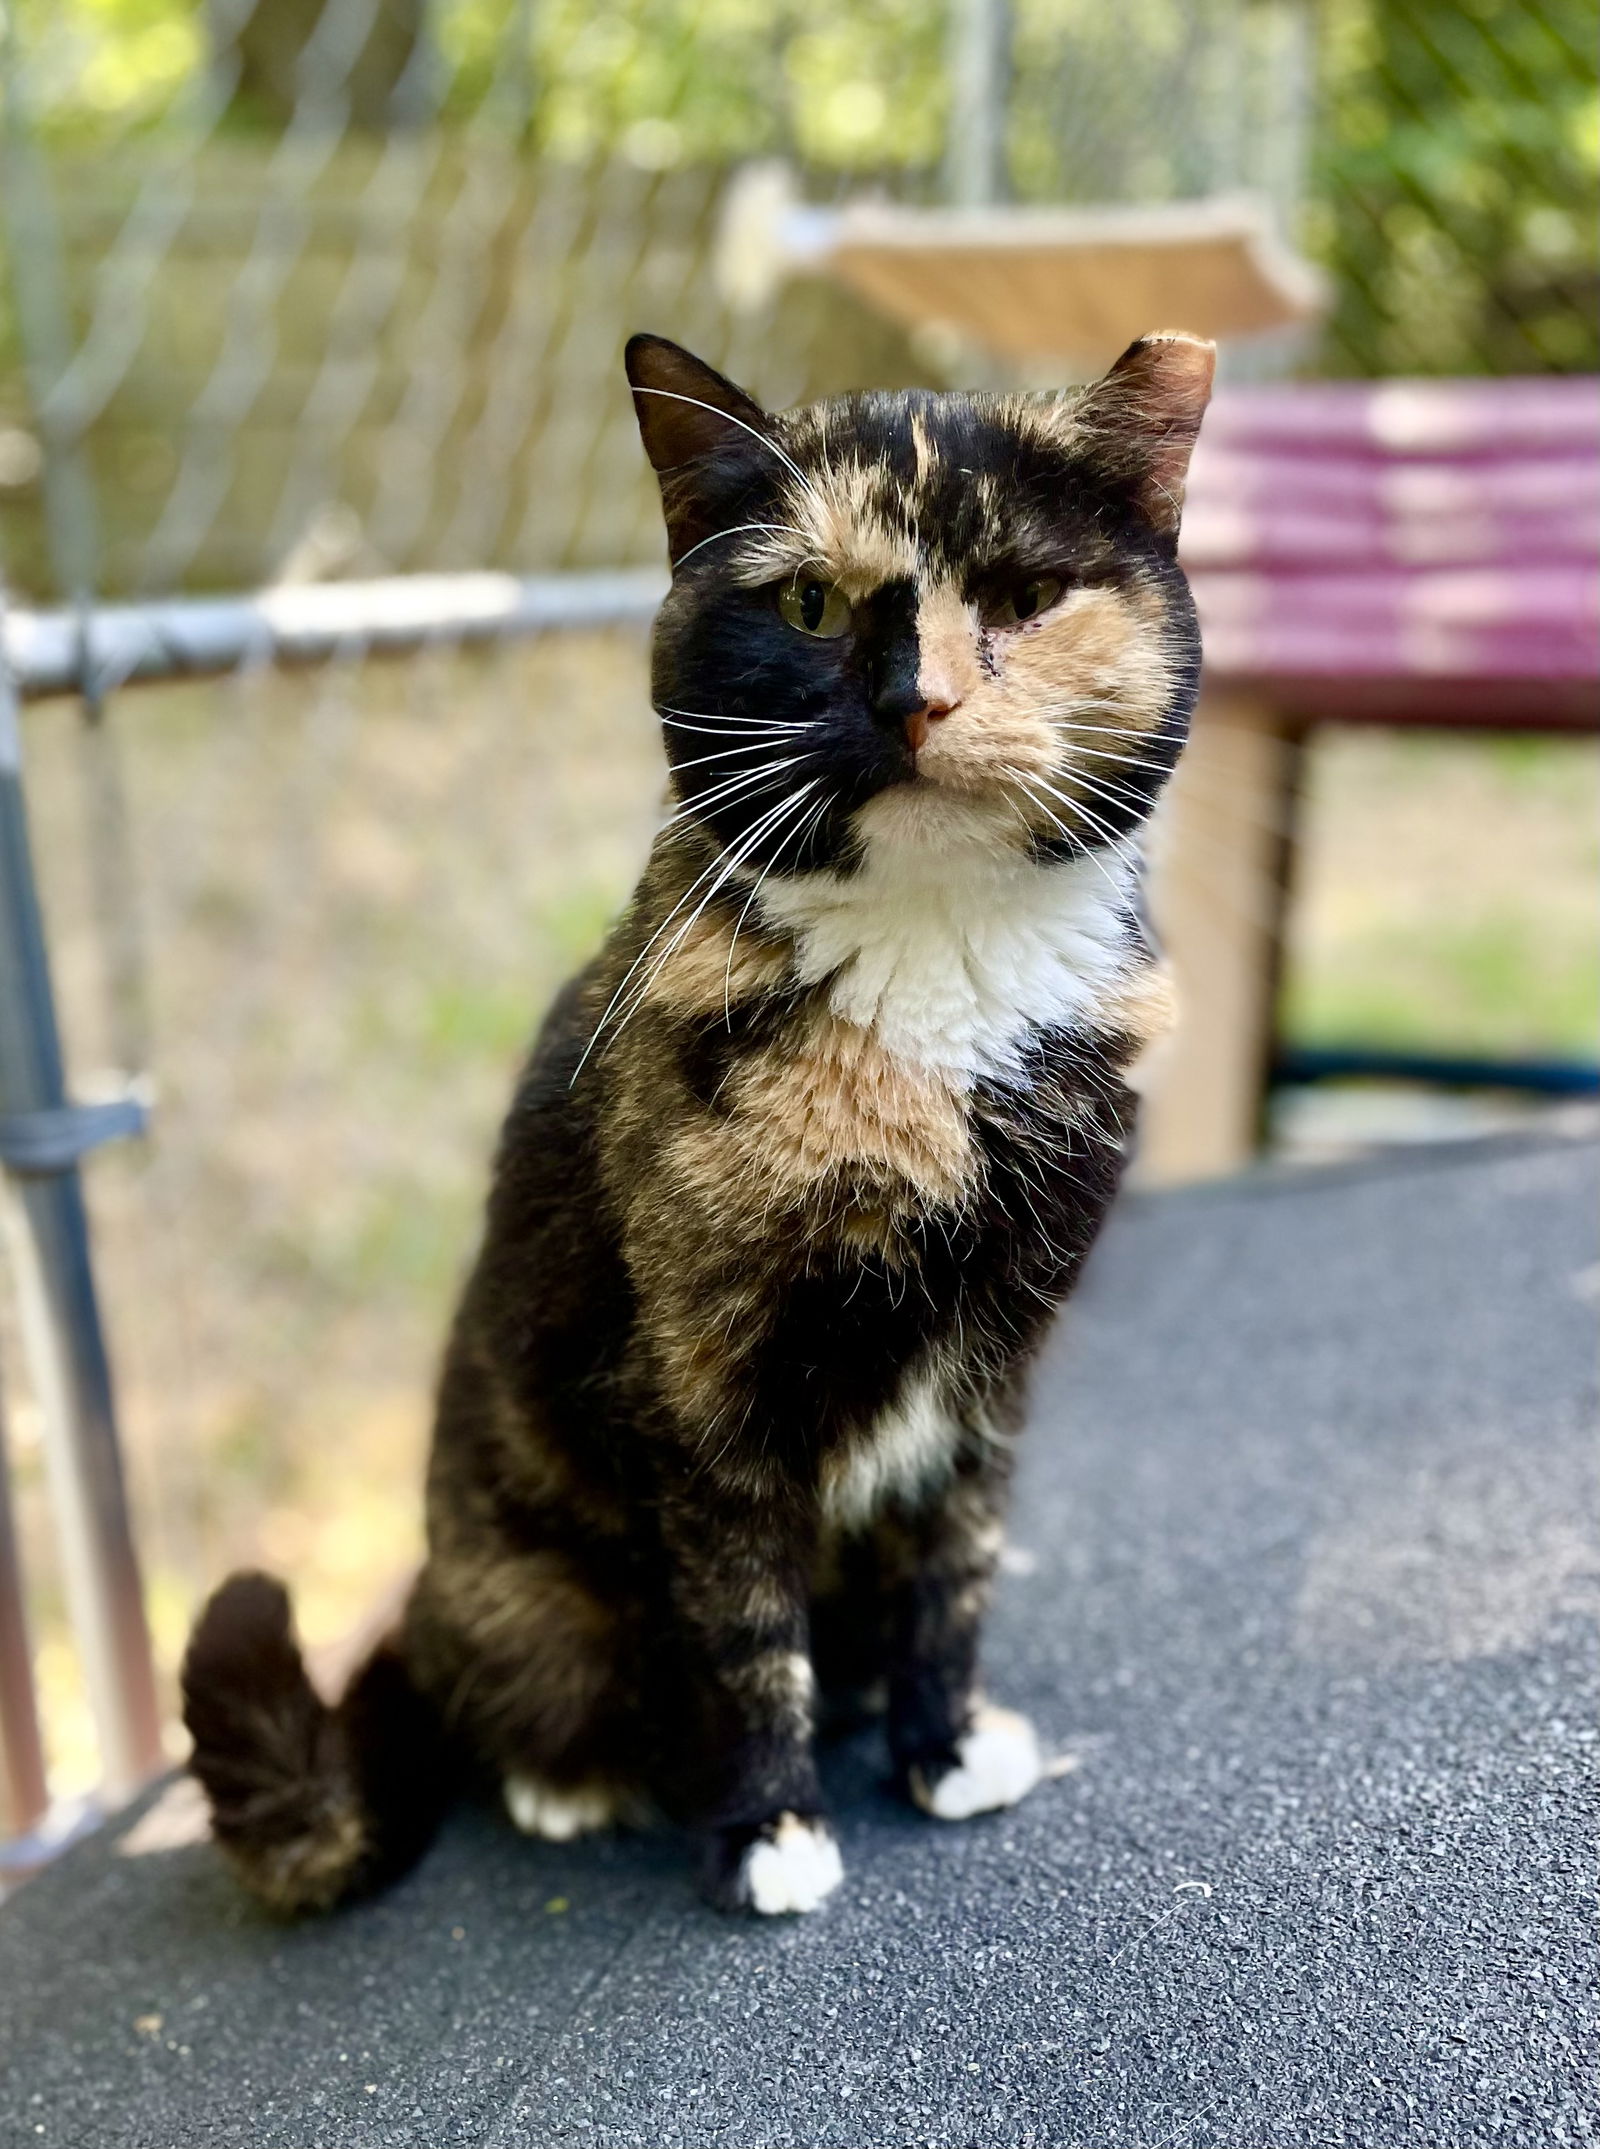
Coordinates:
(1027, 601)
(819, 608)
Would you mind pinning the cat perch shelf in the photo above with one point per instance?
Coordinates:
(1026, 283)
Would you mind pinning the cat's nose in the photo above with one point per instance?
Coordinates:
(920, 721)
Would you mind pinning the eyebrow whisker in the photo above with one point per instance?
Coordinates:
(782, 529)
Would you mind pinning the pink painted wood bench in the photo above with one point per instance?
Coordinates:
(1393, 552)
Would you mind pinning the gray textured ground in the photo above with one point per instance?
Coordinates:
(1308, 1582)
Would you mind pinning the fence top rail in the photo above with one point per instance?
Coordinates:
(63, 651)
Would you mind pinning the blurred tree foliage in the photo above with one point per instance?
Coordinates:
(1455, 181)
(853, 83)
(1456, 151)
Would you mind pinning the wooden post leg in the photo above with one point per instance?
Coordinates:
(1218, 856)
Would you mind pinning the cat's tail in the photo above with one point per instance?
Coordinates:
(310, 1804)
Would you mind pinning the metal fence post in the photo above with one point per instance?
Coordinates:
(979, 63)
(47, 1234)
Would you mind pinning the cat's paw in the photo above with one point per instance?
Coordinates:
(793, 1865)
(558, 1813)
(789, 1865)
(997, 1763)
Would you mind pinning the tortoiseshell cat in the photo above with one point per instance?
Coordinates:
(800, 1166)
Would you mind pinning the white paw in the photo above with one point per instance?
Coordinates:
(794, 1869)
(1000, 1763)
(539, 1809)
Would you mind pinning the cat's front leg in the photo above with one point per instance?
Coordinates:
(740, 1566)
(956, 1753)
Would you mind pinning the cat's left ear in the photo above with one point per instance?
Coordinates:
(1143, 418)
(689, 415)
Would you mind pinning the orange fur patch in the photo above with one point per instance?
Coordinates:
(693, 1342)
(828, 1137)
(947, 645)
(710, 968)
(1097, 645)
(835, 526)
(840, 1108)
(1092, 659)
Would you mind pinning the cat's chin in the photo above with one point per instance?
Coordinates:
(924, 813)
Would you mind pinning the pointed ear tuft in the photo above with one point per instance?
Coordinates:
(1145, 416)
(685, 406)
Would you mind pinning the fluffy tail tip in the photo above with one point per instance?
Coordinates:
(309, 1804)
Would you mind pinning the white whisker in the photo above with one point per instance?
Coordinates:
(781, 529)
(1118, 796)
(730, 862)
(708, 719)
(1096, 712)
(1109, 839)
(687, 895)
(1123, 844)
(726, 754)
(1142, 734)
(1121, 760)
(778, 726)
(1038, 805)
(801, 831)
(754, 737)
(730, 788)
(1090, 851)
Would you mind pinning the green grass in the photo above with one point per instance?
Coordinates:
(1445, 896)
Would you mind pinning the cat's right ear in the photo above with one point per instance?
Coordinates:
(1144, 416)
(688, 414)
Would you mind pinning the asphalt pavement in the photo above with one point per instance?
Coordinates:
(1303, 1591)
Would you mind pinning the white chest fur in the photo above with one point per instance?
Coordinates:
(953, 946)
(907, 1452)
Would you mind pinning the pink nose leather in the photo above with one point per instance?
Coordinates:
(921, 722)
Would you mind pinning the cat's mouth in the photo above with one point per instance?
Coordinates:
(955, 775)
(930, 783)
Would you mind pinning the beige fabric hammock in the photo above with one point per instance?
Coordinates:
(1028, 283)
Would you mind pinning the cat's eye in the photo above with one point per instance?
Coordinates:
(1026, 601)
(819, 608)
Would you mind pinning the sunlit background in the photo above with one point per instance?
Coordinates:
(331, 290)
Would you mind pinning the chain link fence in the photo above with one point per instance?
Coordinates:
(308, 291)
(1453, 187)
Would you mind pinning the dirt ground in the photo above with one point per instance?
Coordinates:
(349, 895)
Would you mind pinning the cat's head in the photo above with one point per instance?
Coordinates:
(923, 618)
